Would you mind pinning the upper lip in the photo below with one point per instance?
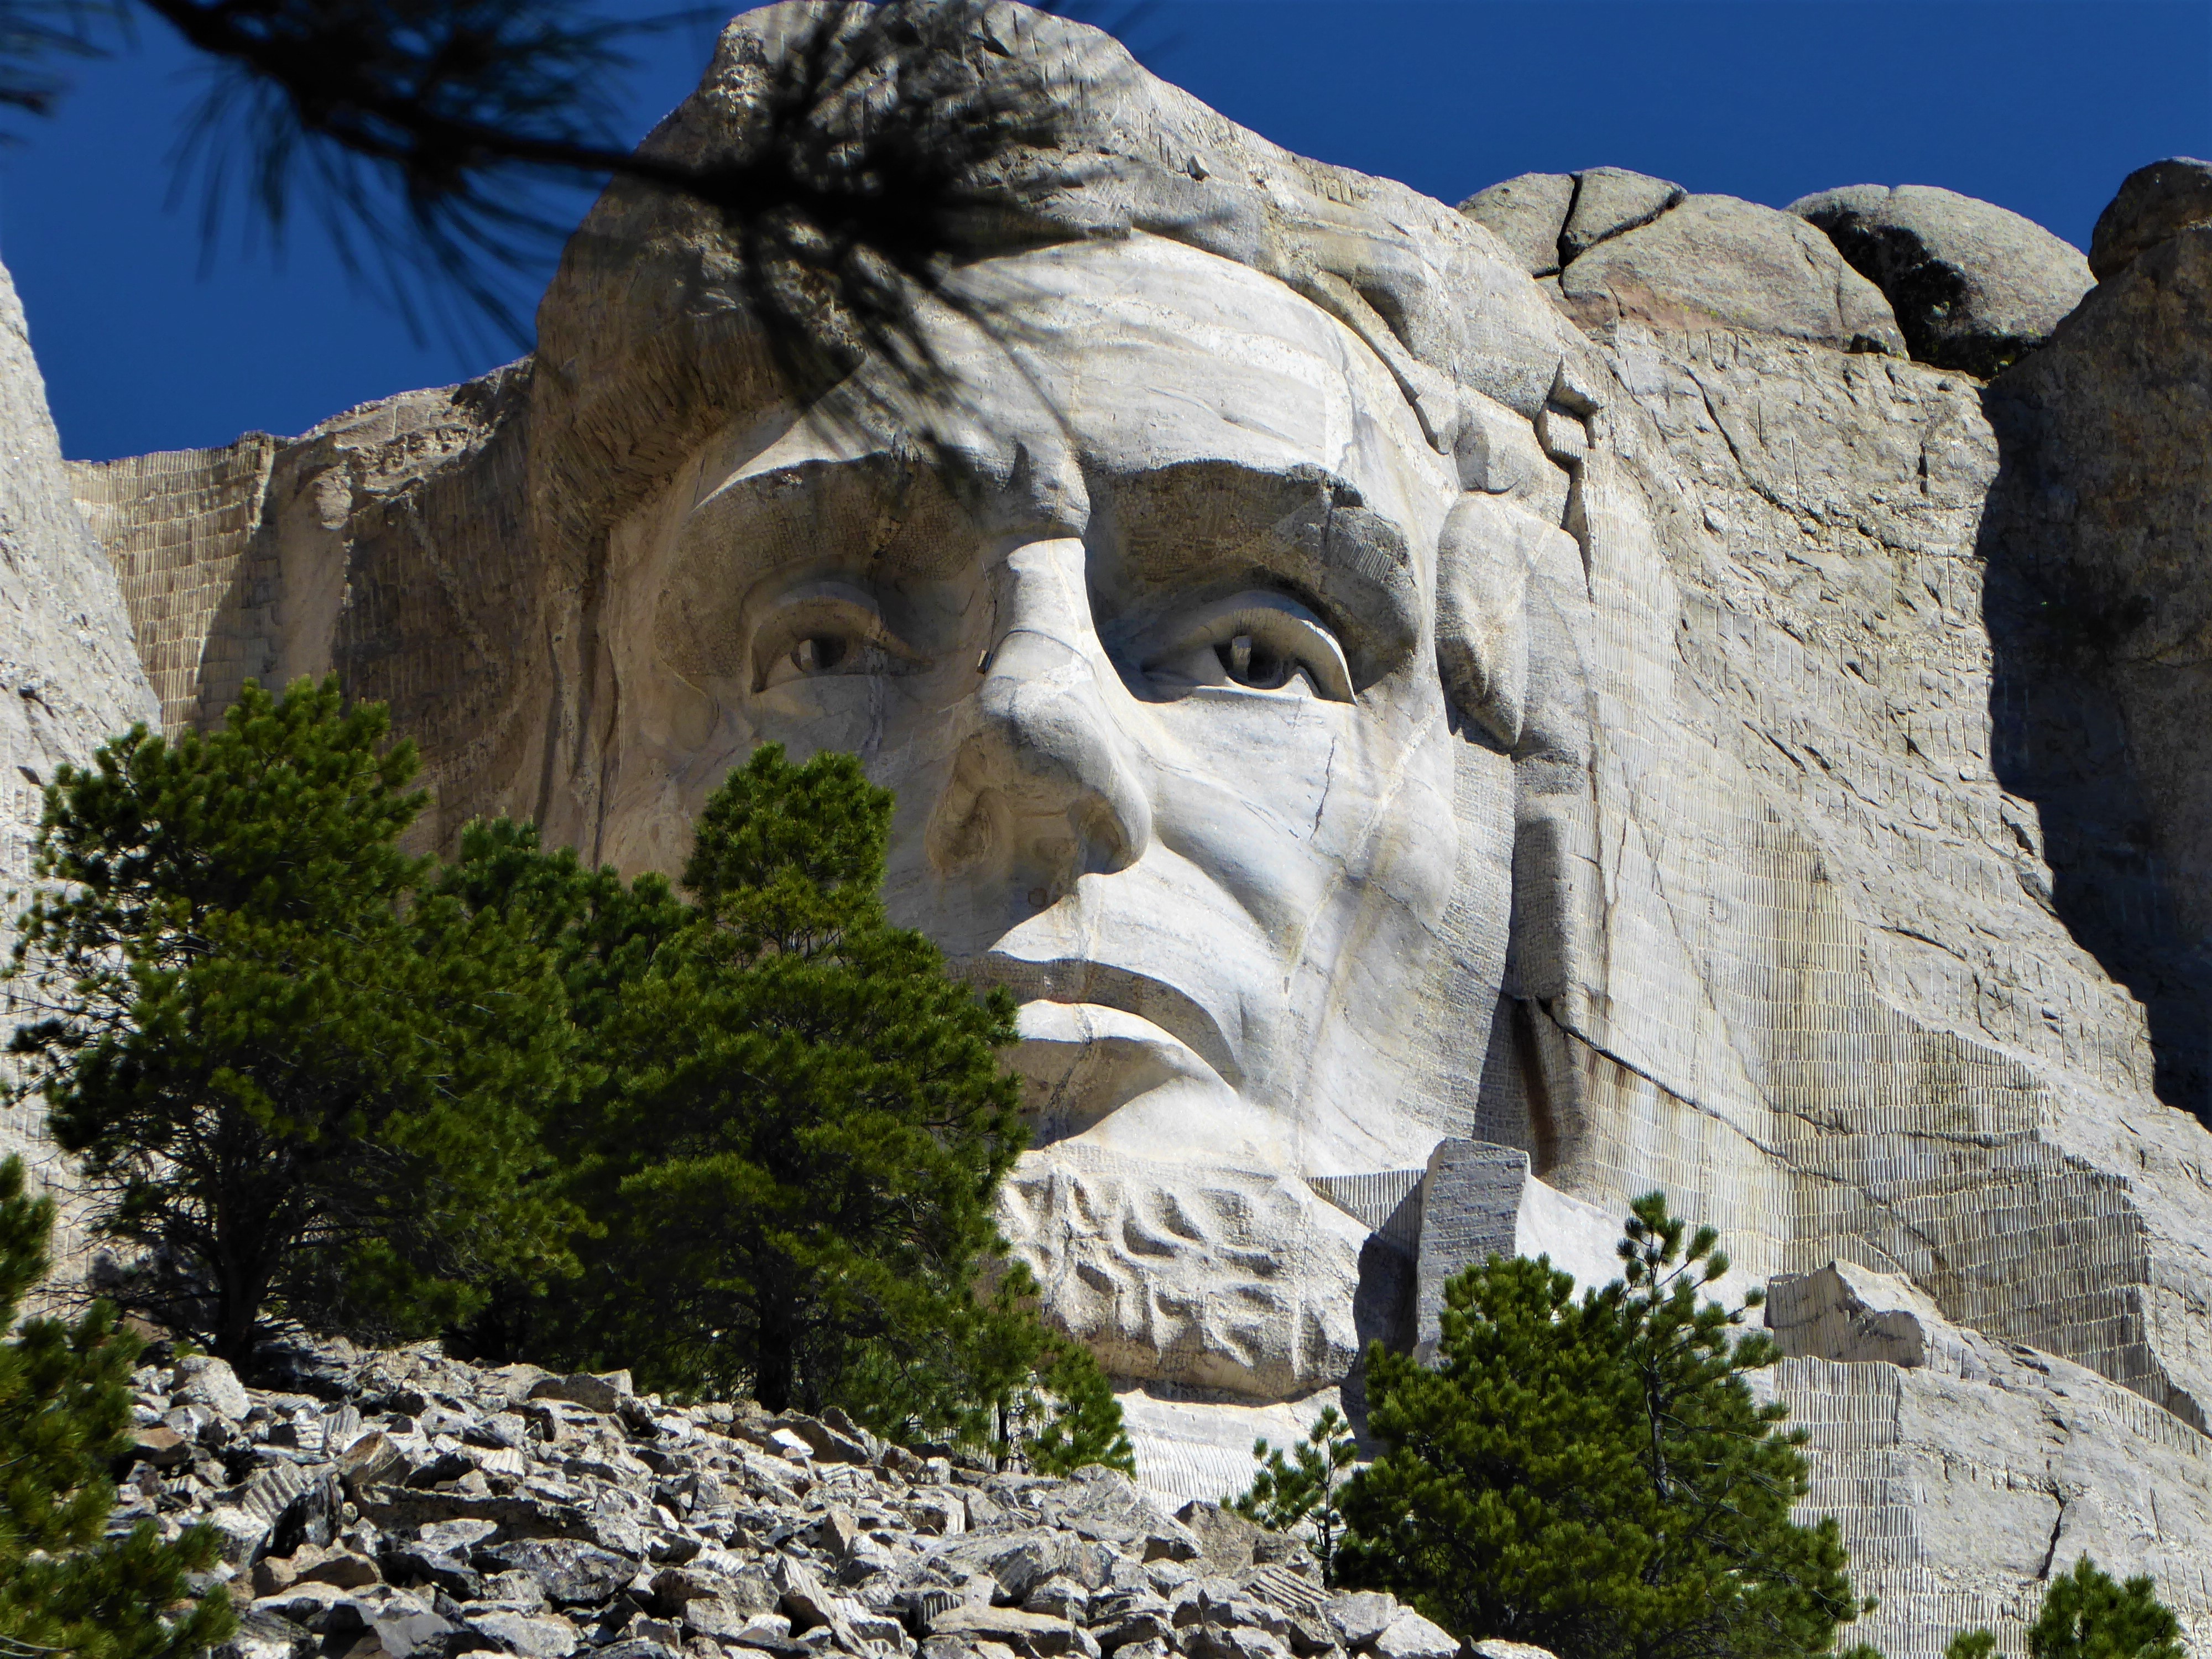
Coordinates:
(1076, 980)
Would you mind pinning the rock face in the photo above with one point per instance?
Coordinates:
(66, 652)
(2098, 608)
(1974, 287)
(274, 558)
(1528, 214)
(1611, 200)
(1623, 245)
(2155, 203)
(1714, 262)
(1366, 697)
(438, 1508)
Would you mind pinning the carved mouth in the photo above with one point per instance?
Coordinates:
(1073, 980)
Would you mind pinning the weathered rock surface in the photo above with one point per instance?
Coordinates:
(1527, 214)
(70, 665)
(1608, 201)
(2155, 203)
(1627, 246)
(2099, 612)
(1547, 219)
(1698, 754)
(1715, 262)
(275, 558)
(496, 1517)
(1974, 287)
(2014, 1459)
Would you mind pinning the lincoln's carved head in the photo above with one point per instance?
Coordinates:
(1202, 615)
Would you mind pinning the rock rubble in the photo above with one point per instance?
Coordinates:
(404, 1505)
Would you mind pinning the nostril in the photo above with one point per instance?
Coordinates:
(1104, 841)
(968, 823)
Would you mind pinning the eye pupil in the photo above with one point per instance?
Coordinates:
(818, 655)
(1254, 663)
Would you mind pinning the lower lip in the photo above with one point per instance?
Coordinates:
(1080, 1061)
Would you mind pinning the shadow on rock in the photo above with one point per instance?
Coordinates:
(2099, 606)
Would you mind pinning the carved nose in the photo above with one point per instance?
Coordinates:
(1042, 786)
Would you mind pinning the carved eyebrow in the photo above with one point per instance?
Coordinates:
(871, 518)
(855, 510)
(1211, 521)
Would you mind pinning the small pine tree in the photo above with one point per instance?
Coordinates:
(1596, 1477)
(294, 1078)
(64, 1415)
(2087, 1615)
(1303, 1490)
(995, 1379)
(1080, 1420)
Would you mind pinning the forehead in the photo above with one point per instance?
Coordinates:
(1093, 367)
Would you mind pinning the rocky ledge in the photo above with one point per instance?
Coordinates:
(406, 1504)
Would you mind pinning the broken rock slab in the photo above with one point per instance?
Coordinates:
(1479, 1199)
(1527, 214)
(1855, 1315)
(206, 1381)
(1610, 201)
(1974, 286)
(2155, 204)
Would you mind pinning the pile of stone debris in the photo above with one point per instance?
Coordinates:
(403, 1503)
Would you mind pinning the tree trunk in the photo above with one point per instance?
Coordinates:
(773, 1365)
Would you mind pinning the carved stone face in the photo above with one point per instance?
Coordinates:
(1153, 674)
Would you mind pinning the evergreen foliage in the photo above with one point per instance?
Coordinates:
(2087, 1615)
(65, 1589)
(1304, 1489)
(1596, 1477)
(1078, 1421)
(794, 1126)
(297, 1081)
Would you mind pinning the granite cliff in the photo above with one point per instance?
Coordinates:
(1735, 728)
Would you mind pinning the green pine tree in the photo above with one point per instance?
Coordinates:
(2086, 1615)
(793, 1129)
(1596, 1477)
(298, 1082)
(1079, 1421)
(813, 1114)
(65, 1588)
(1303, 1491)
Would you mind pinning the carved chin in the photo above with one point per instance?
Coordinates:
(1235, 1280)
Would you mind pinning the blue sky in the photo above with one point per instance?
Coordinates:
(151, 340)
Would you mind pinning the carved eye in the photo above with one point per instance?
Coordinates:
(820, 654)
(1257, 641)
(823, 630)
(1255, 663)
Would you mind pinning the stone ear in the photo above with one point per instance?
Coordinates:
(1484, 561)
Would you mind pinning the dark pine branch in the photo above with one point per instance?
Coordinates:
(433, 139)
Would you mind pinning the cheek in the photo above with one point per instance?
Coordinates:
(1245, 788)
(1388, 820)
